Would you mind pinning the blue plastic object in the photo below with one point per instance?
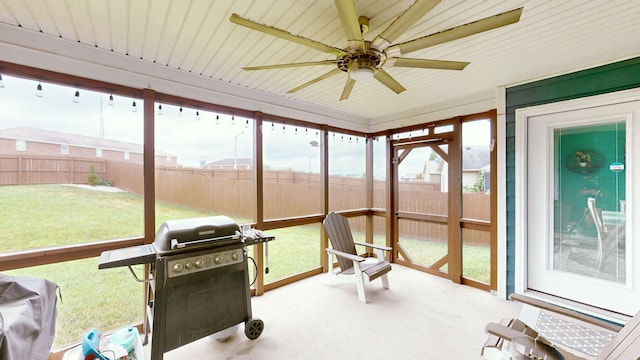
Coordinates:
(90, 344)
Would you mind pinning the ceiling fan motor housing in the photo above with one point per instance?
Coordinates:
(360, 65)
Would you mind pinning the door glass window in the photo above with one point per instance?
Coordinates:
(589, 200)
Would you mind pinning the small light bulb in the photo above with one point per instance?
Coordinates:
(1, 82)
(180, 112)
(134, 108)
(76, 97)
(39, 92)
(111, 102)
(233, 120)
(159, 109)
(217, 119)
(283, 129)
(197, 115)
(246, 124)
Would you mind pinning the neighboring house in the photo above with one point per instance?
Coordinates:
(475, 163)
(32, 141)
(230, 164)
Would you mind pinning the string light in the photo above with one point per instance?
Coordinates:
(159, 109)
(273, 126)
(197, 115)
(111, 102)
(296, 131)
(76, 96)
(1, 82)
(217, 119)
(233, 120)
(134, 108)
(283, 129)
(246, 124)
(306, 132)
(180, 111)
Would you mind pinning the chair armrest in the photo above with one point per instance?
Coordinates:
(379, 247)
(538, 346)
(505, 332)
(564, 311)
(345, 255)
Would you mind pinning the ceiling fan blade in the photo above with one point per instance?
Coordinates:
(455, 33)
(237, 19)
(403, 22)
(280, 66)
(388, 81)
(350, 24)
(348, 86)
(426, 63)
(319, 78)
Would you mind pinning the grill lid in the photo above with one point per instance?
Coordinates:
(196, 232)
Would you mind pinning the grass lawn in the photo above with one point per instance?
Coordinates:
(37, 216)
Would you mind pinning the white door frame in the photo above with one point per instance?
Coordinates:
(521, 207)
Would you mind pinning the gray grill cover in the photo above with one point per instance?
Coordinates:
(27, 317)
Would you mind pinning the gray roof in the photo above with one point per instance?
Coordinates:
(475, 157)
(229, 162)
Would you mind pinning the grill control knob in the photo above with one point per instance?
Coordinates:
(178, 267)
(188, 265)
(235, 256)
(218, 259)
(199, 263)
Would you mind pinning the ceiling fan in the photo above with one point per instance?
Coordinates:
(363, 59)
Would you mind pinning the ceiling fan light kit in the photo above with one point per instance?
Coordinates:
(363, 59)
(361, 73)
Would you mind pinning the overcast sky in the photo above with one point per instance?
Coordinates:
(193, 141)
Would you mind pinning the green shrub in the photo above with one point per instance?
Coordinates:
(92, 177)
(94, 180)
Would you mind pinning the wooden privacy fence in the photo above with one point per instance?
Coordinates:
(231, 192)
(31, 170)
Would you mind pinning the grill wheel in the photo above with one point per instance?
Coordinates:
(253, 328)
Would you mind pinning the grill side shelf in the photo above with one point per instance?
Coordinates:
(133, 255)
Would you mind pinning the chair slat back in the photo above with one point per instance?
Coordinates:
(339, 233)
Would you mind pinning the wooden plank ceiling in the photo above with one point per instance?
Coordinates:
(196, 36)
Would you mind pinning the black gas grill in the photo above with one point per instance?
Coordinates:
(198, 281)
